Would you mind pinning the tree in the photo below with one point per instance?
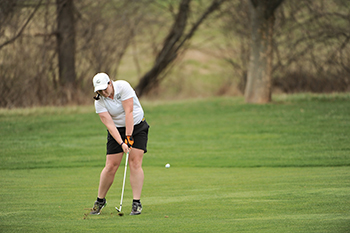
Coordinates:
(172, 44)
(7, 8)
(258, 87)
(311, 46)
(66, 42)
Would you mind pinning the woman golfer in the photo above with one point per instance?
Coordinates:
(120, 111)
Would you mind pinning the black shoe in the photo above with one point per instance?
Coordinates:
(136, 208)
(98, 206)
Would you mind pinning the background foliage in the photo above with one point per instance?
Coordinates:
(122, 38)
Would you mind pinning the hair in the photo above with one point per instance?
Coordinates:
(97, 97)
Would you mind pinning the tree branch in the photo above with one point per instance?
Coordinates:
(23, 27)
(172, 45)
(215, 4)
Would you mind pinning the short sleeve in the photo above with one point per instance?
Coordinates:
(100, 106)
(126, 91)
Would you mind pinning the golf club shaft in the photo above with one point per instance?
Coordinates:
(126, 167)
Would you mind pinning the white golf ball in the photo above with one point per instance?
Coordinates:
(167, 165)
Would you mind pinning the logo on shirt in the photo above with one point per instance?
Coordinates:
(119, 96)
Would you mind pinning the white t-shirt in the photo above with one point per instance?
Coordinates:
(122, 91)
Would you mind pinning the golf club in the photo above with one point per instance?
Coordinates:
(121, 199)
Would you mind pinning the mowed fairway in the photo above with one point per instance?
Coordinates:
(281, 167)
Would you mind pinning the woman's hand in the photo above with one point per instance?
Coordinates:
(125, 148)
(129, 140)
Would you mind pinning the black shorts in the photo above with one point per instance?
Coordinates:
(140, 135)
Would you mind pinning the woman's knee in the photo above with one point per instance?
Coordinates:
(135, 160)
(112, 163)
(135, 164)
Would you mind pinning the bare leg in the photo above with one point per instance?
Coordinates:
(136, 172)
(108, 173)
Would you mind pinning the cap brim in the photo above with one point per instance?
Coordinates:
(101, 87)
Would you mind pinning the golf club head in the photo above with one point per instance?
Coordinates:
(119, 210)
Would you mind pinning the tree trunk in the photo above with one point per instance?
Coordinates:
(66, 42)
(258, 87)
(167, 54)
(172, 44)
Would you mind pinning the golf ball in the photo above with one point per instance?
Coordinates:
(167, 165)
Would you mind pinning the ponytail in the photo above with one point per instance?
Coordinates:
(97, 97)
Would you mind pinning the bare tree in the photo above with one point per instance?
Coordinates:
(103, 41)
(235, 50)
(7, 8)
(311, 46)
(66, 42)
(173, 43)
(258, 88)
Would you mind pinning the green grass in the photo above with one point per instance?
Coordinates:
(281, 167)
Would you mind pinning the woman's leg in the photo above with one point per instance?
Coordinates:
(108, 173)
(136, 172)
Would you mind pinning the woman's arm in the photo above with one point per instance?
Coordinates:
(128, 106)
(108, 122)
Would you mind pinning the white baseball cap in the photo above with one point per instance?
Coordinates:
(100, 81)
